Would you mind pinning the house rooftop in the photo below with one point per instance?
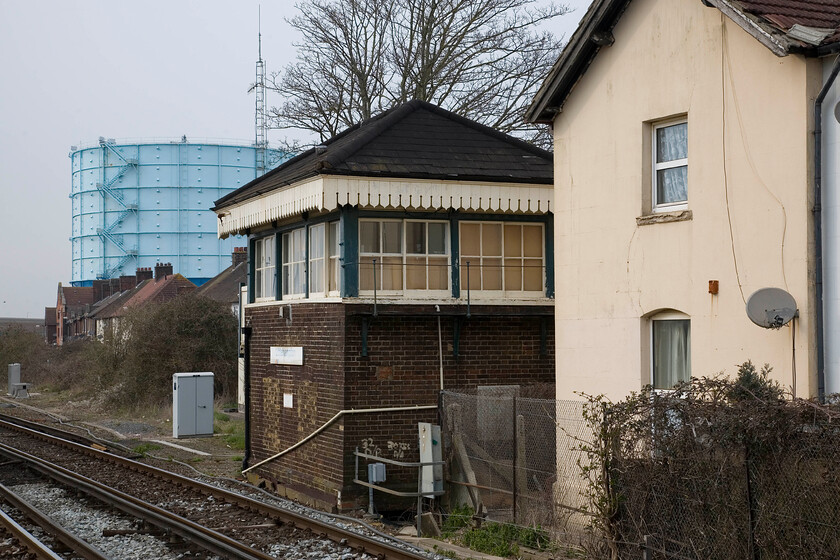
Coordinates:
(807, 27)
(415, 140)
(224, 287)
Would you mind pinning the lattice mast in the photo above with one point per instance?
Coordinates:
(260, 126)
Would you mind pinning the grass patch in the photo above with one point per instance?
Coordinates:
(232, 430)
(145, 448)
(237, 459)
(498, 539)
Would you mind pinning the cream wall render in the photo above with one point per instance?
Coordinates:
(749, 182)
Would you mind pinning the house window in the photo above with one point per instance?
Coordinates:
(265, 279)
(670, 350)
(408, 255)
(670, 166)
(294, 263)
(502, 256)
(316, 259)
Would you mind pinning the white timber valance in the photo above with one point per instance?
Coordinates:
(328, 192)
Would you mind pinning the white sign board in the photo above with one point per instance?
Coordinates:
(287, 355)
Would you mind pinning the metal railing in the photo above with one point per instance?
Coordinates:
(420, 494)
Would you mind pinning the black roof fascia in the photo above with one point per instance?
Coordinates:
(601, 17)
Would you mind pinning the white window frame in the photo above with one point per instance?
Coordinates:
(268, 271)
(504, 291)
(328, 235)
(667, 316)
(659, 166)
(310, 277)
(289, 264)
(403, 255)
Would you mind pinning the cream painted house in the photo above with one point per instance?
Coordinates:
(685, 160)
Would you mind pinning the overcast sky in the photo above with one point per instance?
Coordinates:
(73, 71)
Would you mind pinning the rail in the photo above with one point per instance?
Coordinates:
(373, 546)
(35, 546)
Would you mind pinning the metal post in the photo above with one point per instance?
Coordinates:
(515, 458)
(646, 552)
(468, 289)
(374, 287)
(419, 499)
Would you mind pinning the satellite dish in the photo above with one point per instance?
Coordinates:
(771, 308)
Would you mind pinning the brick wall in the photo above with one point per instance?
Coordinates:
(498, 346)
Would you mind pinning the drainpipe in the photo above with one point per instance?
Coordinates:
(247, 332)
(818, 245)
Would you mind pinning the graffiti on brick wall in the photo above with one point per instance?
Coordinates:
(370, 448)
(398, 448)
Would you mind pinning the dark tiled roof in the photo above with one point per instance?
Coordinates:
(769, 21)
(76, 297)
(784, 14)
(414, 140)
(114, 305)
(224, 287)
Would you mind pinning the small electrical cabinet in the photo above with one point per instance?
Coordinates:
(192, 404)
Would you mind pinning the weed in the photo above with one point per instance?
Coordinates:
(221, 417)
(237, 459)
(144, 448)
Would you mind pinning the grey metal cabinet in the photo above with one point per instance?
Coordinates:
(192, 404)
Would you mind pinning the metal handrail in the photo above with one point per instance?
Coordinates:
(420, 494)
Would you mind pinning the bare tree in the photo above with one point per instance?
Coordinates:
(483, 59)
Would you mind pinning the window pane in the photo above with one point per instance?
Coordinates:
(513, 241)
(297, 278)
(672, 142)
(491, 240)
(533, 275)
(333, 239)
(513, 273)
(316, 242)
(438, 274)
(671, 352)
(672, 185)
(437, 239)
(271, 281)
(391, 237)
(470, 239)
(333, 274)
(369, 237)
(366, 273)
(298, 240)
(415, 238)
(258, 283)
(316, 276)
(392, 270)
(473, 272)
(491, 274)
(268, 253)
(533, 241)
(259, 255)
(415, 272)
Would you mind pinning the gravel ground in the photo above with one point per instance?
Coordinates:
(88, 523)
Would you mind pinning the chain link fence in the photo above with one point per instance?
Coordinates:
(708, 471)
(503, 450)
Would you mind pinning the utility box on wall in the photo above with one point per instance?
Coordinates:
(192, 404)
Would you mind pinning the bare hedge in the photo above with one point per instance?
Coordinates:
(717, 468)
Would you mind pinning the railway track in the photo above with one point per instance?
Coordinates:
(18, 543)
(226, 523)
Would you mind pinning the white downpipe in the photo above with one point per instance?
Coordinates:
(831, 231)
(331, 421)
